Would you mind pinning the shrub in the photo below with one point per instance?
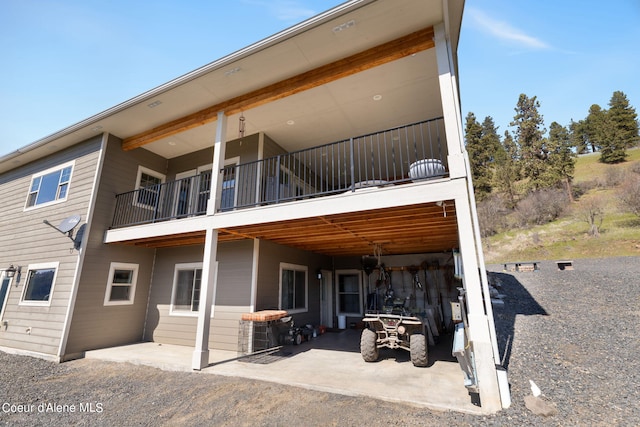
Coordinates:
(583, 187)
(541, 207)
(592, 212)
(491, 215)
(629, 194)
(614, 176)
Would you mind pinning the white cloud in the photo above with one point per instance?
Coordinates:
(504, 31)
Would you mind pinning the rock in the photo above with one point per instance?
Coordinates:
(540, 406)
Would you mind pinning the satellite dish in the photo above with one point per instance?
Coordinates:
(69, 223)
(66, 226)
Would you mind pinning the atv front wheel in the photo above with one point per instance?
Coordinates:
(418, 345)
(368, 346)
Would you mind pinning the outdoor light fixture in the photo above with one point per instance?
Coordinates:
(319, 274)
(10, 272)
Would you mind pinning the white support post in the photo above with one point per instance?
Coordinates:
(209, 264)
(478, 327)
(449, 98)
(481, 326)
(207, 292)
(219, 152)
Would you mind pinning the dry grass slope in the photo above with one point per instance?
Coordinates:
(568, 237)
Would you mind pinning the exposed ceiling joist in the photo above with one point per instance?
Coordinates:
(373, 57)
(400, 230)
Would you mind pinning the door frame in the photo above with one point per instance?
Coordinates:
(326, 298)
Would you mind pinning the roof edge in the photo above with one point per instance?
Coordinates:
(253, 48)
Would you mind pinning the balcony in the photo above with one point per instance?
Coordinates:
(390, 157)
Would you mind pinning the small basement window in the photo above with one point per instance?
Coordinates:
(121, 286)
(39, 285)
(49, 186)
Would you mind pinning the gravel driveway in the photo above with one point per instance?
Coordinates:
(574, 333)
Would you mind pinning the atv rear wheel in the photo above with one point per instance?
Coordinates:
(368, 345)
(418, 345)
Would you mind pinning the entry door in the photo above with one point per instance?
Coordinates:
(192, 191)
(4, 290)
(184, 193)
(326, 299)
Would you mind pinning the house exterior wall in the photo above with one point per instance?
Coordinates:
(246, 149)
(94, 324)
(27, 241)
(268, 292)
(233, 296)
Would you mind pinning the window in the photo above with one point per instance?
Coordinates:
(186, 289)
(50, 186)
(148, 186)
(4, 290)
(349, 297)
(39, 284)
(121, 286)
(293, 288)
(229, 184)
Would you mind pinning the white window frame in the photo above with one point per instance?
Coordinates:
(150, 172)
(172, 310)
(48, 172)
(338, 293)
(9, 281)
(132, 286)
(294, 267)
(41, 266)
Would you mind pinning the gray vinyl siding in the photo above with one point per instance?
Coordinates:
(232, 298)
(93, 324)
(271, 148)
(268, 293)
(28, 241)
(247, 151)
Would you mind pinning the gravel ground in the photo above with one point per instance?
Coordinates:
(572, 332)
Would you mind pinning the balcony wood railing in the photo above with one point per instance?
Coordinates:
(393, 156)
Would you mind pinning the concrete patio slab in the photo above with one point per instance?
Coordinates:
(329, 363)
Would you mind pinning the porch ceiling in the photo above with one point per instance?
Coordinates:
(422, 228)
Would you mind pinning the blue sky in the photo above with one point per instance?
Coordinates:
(66, 60)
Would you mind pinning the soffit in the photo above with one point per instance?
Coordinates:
(423, 228)
(342, 106)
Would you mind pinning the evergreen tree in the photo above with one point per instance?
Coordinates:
(579, 136)
(479, 158)
(529, 126)
(507, 169)
(621, 129)
(562, 158)
(594, 127)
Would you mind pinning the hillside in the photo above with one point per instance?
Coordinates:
(568, 237)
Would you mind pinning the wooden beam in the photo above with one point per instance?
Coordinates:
(370, 58)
